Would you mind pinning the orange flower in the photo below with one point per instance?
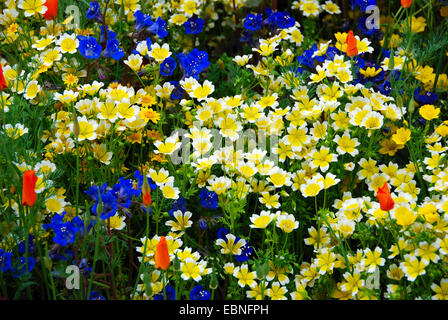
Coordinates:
(3, 84)
(352, 49)
(29, 183)
(146, 192)
(162, 256)
(406, 3)
(52, 9)
(386, 201)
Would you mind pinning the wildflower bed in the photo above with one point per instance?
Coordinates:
(229, 149)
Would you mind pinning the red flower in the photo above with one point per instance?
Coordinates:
(352, 49)
(386, 201)
(52, 9)
(162, 256)
(29, 183)
(406, 3)
(3, 84)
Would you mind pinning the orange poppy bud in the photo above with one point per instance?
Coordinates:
(29, 183)
(352, 49)
(162, 256)
(3, 84)
(384, 198)
(52, 9)
(146, 192)
(406, 3)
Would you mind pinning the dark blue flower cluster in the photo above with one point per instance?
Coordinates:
(362, 4)
(179, 204)
(275, 20)
(170, 294)
(143, 21)
(209, 199)
(167, 66)
(119, 196)
(65, 232)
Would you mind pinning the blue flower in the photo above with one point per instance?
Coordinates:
(253, 22)
(124, 192)
(141, 20)
(158, 27)
(193, 63)
(94, 11)
(247, 36)
(178, 92)
(222, 232)
(139, 177)
(199, 293)
(170, 294)
(202, 224)
(284, 20)
(5, 260)
(363, 4)
(89, 47)
(193, 25)
(167, 66)
(21, 268)
(209, 199)
(113, 50)
(306, 59)
(93, 191)
(22, 245)
(179, 204)
(83, 267)
(246, 253)
(109, 203)
(373, 32)
(110, 34)
(65, 233)
(425, 98)
(95, 295)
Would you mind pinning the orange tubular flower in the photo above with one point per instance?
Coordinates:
(384, 198)
(3, 84)
(52, 9)
(29, 183)
(162, 256)
(352, 49)
(406, 3)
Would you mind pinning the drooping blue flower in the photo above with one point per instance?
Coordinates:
(199, 293)
(113, 50)
(170, 294)
(110, 34)
(202, 224)
(84, 269)
(427, 97)
(385, 88)
(306, 59)
(158, 27)
(94, 11)
(93, 191)
(141, 20)
(5, 260)
(167, 66)
(253, 21)
(193, 25)
(89, 47)
(369, 30)
(209, 199)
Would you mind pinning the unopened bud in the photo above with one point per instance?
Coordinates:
(76, 129)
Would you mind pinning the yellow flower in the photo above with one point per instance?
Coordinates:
(402, 136)
(429, 112)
